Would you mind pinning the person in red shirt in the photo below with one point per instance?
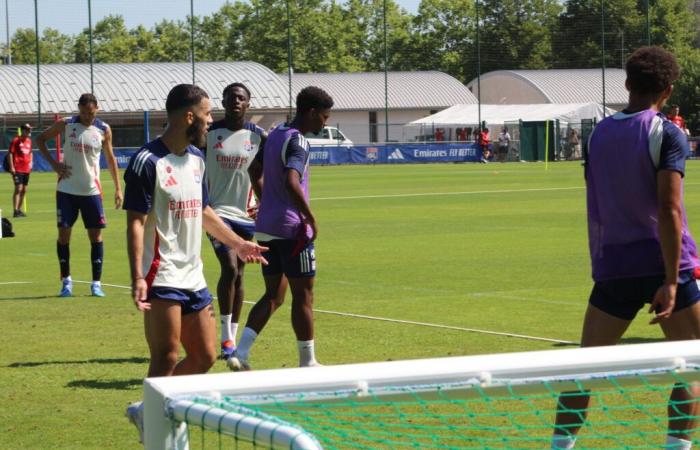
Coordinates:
(20, 164)
(484, 142)
(676, 118)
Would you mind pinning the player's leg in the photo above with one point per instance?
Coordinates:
(162, 324)
(226, 292)
(94, 221)
(67, 214)
(683, 324)
(199, 341)
(301, 272)
(16, 204)
(599, 328)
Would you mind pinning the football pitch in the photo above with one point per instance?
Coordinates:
(414, 261)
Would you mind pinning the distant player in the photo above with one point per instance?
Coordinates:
(640, 244)
(232, 144)
(287, 226)
(20, 163)
(79, 189)
(167, 205)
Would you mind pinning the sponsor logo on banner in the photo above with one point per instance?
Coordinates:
(396, 155)
(372, 153)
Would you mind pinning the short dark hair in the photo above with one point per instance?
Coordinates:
(650, 70)
(229, 89)
(184, 96)
(86, 99)
(675, 106)
(312, 97)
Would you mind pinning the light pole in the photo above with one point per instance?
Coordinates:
(7, 32)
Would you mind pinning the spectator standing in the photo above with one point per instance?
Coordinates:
(503, 144)
(20, 163)
(675, 117)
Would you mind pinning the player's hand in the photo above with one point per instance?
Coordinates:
(118, 199)
(253, 212)
(311, 222)
(63, 170)
(250, 252)
(663, 303)
(139, 293)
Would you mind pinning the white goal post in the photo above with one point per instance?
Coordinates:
(168, 405)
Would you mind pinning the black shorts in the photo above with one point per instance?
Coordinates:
(288, 257)
(20, 178)
(624, 297)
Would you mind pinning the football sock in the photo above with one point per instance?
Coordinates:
(247, 340)
(234, 331)
(63, 252)
(306, 353)
(560, 441)
(96, 255)
(226, 328)
(676, 443)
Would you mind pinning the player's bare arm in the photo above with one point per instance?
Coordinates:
(53, 131)
(247, 251)
(670, 228)
(113, 167)
(296, 194)
(135, 222)
(255, 172)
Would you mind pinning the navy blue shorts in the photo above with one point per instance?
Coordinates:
(624, 297)
(190, 301)
(244, 230)
(89, 206)
(20, 178)
(285, 256)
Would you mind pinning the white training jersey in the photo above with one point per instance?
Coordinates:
(82, 147)
(170, 189)
(228, 155)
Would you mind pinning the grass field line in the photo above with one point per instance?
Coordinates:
(405, 322)
(2, 283)
(427, 194)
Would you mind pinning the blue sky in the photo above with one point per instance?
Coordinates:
(70, 16)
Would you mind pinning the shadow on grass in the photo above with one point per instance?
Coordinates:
(623, 341)
(119, 385)
(29, 297)
(132, 360)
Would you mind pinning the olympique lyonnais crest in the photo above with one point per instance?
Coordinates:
(372, 153)
(248, 146)
(219, 144)
(197, 176)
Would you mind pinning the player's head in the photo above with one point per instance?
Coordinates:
(189, 108)
(236, 99)
(314, 107)
(675, 109)
(651, 72)
(87, 108)
(25, 129)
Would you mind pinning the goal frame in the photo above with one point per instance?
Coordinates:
(566, 368)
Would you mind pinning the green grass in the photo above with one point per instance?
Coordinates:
(497, 247)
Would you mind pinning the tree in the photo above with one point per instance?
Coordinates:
(111, 42)
(54, 47)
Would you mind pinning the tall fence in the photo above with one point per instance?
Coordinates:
(486, 44)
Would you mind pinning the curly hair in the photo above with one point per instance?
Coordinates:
(650, 70)
(312, 97)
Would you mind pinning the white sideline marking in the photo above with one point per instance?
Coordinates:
(426, 194)
(15, 282)
(407, 322)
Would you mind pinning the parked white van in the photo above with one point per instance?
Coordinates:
(328, 136)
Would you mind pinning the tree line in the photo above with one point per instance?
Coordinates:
(332, 36)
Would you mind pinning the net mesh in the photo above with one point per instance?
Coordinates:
(627, 410)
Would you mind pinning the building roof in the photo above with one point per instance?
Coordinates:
(569, 85)
(407, 90)
(132, 87)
